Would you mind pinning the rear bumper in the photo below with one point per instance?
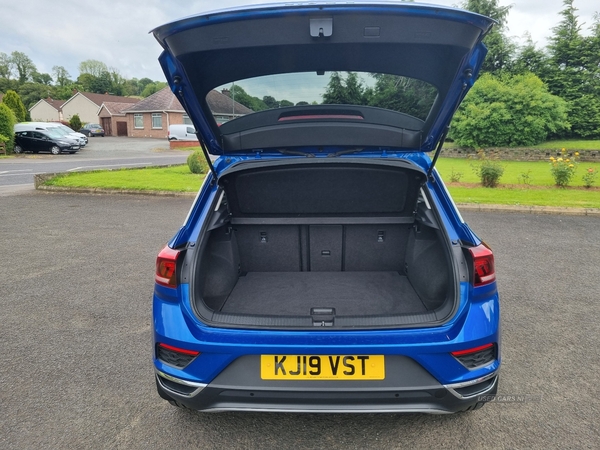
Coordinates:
(407, 388)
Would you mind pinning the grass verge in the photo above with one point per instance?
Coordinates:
(593, 144)
(523, 183)
(533, 173)
(174, 179)
(512, 191)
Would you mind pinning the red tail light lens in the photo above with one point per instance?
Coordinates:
(472, 350)
(477, 356)
(174, 356)
(166, 267)
(178, 350)
(483, 265)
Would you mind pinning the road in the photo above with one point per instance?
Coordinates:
(75, 368)
(16, 174)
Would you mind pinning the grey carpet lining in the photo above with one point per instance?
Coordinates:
(350, 293)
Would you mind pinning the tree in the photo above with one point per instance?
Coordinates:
(61, 75)
(574, 72)
(97, 84)
(86, 81)
(531, 59)
(31, 93)
(134, 86)
(41, 78)
(92, 67)
(7, 123)
(508, 111)
(152, 88)
(117, 82)
(406, 95)
(13, 101)
(23, 65)
(241, 96)
(5, 66)
(270, 102)
(500, 48)
(142, 83)
(348, 91)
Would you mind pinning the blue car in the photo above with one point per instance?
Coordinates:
(323, 266)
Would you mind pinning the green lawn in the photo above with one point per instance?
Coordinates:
(567, 144)
(512, 190)
(571, 145)
(514, 171)
(175, 178)
(564, 198)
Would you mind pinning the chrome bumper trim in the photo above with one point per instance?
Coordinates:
(452, 387)
(198, 386)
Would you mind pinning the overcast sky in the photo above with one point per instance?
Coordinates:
(66, 32)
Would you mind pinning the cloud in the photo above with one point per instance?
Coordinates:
(116, 33)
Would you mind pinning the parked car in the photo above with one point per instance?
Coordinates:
(323, 266)
(56, 126)
(92, 129)
(82, 137)
(181, 132)
(49, 140)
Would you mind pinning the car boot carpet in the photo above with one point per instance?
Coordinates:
(350, 293)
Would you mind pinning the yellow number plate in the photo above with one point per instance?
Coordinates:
(322, 367)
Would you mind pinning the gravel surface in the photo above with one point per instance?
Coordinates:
(76, 371)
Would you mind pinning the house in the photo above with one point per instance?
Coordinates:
(152, 116)
(47, 110)
(87, 105)
(113, 119)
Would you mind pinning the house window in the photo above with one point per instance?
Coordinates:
(138, 121)
(186, 119)
(156, 120)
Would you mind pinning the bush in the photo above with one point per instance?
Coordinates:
(525, 178)
(589, 177)
(508, 112)
(489, 170)
(7, 123)
(196, 162)
(75, 122)
(563, 168)
(455, 176)
(13, 101)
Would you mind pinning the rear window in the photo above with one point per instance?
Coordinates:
(392, 92)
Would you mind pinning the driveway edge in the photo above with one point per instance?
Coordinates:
(529, 209)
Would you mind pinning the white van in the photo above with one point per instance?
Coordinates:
(181, 132)
(62, 129)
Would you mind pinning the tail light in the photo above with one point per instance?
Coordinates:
(178, 357)
(166, 267)
(484, 271)
(477, 356)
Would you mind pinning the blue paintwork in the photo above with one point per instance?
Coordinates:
(475, 323)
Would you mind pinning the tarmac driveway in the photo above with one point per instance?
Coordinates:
(16, 174)
(75, 369)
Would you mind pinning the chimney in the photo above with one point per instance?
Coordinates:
(226, 92)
